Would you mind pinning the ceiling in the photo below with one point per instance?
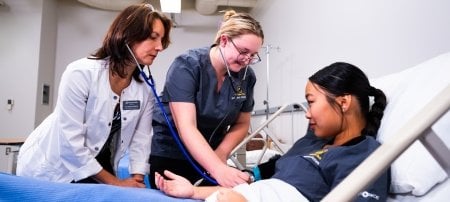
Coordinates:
(204, 7)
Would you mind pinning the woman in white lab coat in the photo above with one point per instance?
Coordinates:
(103, 109)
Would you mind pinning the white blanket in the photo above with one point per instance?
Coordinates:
(270, 190)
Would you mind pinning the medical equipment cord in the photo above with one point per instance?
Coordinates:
(151, 83)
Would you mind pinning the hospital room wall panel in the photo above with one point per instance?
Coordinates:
(24, 62)
(380, 36)
(46, 67)
(81, 30)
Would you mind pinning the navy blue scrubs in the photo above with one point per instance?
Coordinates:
(315, 171)
(191, 78)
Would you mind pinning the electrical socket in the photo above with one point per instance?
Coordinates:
(9, 104)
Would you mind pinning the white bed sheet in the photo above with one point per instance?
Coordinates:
(252, 157)
(268, 190)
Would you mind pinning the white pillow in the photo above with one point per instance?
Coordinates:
(415, 171)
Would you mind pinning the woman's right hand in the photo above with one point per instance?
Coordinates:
(229, 177)
(130, 182)
(107, 178)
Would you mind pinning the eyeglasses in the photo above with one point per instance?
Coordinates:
(246, 56)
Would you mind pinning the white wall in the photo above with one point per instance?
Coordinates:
(81, 30)
(80, 33)
(380, 36)
(20, 35)
(47, 55)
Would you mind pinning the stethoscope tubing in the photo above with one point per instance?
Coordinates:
(172, 131)
(151, 83)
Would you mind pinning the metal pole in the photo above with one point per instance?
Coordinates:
(266, 102)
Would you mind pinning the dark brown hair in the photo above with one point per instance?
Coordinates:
(133, 25)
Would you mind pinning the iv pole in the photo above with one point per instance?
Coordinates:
(266, 102)
(265, 125)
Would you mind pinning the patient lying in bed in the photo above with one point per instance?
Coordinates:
(343, 129)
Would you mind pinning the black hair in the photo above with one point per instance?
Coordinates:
(342, 78)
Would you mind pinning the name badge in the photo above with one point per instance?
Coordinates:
(131, 105)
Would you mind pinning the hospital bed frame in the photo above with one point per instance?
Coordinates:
(415, 129)
(263, 127)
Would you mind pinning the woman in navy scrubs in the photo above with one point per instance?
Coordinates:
(208, 94)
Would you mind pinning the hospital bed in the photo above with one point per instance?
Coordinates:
(415, 133)
(415, 136)
(264, 151)
(15, 188)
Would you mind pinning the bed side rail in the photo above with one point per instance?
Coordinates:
(371, 168)
(275, 112)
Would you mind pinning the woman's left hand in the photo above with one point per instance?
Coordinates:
(176, 185)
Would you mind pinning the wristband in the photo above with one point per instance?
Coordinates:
(252, 177)
(256, 173)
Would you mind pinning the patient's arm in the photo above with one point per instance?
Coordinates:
(178, 186)
(226, 194)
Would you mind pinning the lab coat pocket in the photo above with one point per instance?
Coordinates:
(38, 165)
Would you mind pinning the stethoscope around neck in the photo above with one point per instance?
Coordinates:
(237, 88)
(151, 83)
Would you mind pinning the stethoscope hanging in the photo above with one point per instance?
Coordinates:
(237, 88)
(150, 82)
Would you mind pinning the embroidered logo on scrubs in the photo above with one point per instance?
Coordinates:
(131, 105)
(316, 156)
(366, 194)
(239, 94)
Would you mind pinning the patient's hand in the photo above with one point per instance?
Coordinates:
(176, 185)
(227, 194)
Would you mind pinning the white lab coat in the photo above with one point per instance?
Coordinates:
(63, 147)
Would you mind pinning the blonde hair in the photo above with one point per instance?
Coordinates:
(236, 24)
